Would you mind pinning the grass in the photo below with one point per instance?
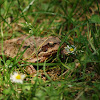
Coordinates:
(73, 22)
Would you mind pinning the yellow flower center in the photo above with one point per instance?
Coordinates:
(18, 77)
(71, 49)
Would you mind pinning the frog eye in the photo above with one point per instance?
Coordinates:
(51, 43)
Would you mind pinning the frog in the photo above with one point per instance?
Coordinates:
(32, 49)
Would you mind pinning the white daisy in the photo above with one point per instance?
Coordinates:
(70, 49)
(17, 78)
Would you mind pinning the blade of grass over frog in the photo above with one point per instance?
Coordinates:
(36, 55)
(36, 49)
(19, 51)
(40, 64)
(20, 56)
(20, 48)
(45, 71)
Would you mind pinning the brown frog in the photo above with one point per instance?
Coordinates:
(34, 48)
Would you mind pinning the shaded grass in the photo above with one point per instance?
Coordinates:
(60, 18)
